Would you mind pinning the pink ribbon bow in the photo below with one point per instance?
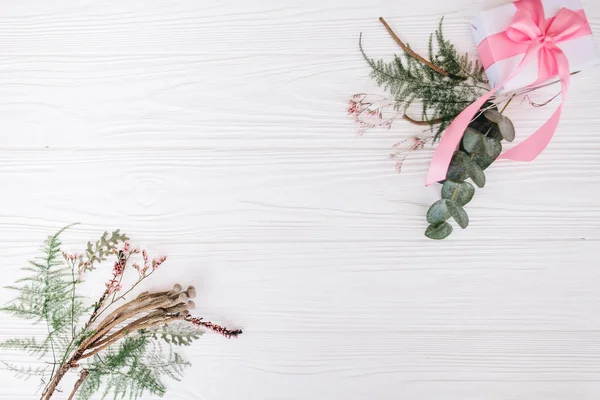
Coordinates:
(529, 28)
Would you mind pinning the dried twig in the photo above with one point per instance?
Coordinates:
(423, 123)
(410, 51)
(134, 327)
(82, 378)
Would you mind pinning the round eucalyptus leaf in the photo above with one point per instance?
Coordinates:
(438, 231)
(458, 213)
(483, 160)
(492, 148)
(438, 212)
(477, 175)
(505, 125)
(458, 170)
(459, 192)
(507, 129)
(494, 115)
(473, 141)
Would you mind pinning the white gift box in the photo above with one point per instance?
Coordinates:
(581, 52)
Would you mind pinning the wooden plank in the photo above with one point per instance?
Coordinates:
(216, 134)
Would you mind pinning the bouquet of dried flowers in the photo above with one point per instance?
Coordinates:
(125, 347)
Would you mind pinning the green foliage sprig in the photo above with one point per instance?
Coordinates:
(445, 84)
(128, 353)
(137, 366)
(480, 146)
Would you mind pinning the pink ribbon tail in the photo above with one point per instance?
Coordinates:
(533, 146)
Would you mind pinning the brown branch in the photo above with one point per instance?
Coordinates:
(128, 330)
(47, 394)
(142, 303)
(162, 308)
(126, 314)
(228, 333)
(410, 52)
(82, 378)
(143, 298)
(423, 123)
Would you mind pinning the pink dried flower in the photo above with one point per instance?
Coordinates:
(113, 286)
(418, 143)
(414, 143)
(118, 268)
(214, 327)
(368, 111)
(156, 262)
(137, 267)
(70, 257)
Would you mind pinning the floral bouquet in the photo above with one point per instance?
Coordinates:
(523, 46)
(123, 345)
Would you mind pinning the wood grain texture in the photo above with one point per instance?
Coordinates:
(216, 133)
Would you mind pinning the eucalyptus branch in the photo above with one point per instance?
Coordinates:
(479, 148)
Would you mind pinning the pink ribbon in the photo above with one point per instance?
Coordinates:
(529, 29)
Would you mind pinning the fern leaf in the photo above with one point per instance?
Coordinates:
(137, 367)
(442, 97)
(29, 345)
(26, 373)
(46, 295)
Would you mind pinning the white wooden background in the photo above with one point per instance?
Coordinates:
(216, 133)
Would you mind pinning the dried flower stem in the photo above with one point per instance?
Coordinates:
(105, 326)
(134, 327)
(410, 52)
(96, 343)
(142, 297)
(60, 374)
(228, 333)
(423, 123)
(82, 378)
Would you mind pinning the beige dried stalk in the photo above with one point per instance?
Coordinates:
(146, 311)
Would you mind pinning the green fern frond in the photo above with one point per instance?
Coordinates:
(29, 345)
(26, 373)
(45, 291)
(138, 366)
(442, 97)
(47, 295)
